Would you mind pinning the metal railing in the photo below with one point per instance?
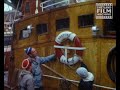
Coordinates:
(50, 4)
(67, 48)
(79, 1)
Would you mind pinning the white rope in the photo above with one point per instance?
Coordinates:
(78, 82)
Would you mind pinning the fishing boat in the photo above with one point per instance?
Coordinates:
(46, 21)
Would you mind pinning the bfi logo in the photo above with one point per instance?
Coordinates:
(104, 11)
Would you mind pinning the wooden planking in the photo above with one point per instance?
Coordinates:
(55, 85)
(57, 14)
(77, 11)
(73, 12)
(23, 24)
(106, 46)
(93, 56)
(90, 56)
(45, 37)
(51, 17)
(55, 82)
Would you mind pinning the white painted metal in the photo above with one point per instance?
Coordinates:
(73, 48)
(52, 4)
(72, 60)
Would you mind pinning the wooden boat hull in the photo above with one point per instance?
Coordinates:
(95, 56)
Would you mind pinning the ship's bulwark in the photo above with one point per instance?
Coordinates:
(95, 56)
